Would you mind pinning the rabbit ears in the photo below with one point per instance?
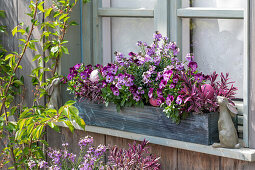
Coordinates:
(232, 108)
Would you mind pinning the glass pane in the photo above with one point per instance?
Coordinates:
(145, 4)
(218, 3)
(127, 31)
(218, 46)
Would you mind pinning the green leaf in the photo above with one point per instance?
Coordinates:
(47, 12)
(70, 102)
(9, 56)
(62, 16)
(18, 82)
(36, 57)
(73, 23)
(40, 6)
(14, 31)
(65, 50)
(70, 125)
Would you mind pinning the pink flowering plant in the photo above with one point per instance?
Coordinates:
(155, 76)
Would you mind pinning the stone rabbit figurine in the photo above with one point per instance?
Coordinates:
(54, 91)
(227, 132)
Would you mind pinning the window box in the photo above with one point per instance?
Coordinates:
(151, 121)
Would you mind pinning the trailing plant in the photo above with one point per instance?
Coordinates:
(24, 134)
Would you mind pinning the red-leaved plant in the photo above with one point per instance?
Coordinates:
(136, 157)
(198, 101)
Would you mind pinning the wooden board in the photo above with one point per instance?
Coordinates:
(150, 121)
(188, 160)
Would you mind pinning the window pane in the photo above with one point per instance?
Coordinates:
(146, 4)
(125, 32)
(218, 46)
(218, 3)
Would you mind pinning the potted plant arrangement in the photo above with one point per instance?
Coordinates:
(173, 97)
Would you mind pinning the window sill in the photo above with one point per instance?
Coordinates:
(244, 154)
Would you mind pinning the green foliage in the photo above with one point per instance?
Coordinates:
(26, 135)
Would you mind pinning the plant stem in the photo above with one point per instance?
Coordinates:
(65, 26)
(18, 63)
(10, 82)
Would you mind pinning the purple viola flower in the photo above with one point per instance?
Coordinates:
(136, 97)
(167, 74)
(199, 77)
(162, 84)
(159, 93)
(109, 78)
(131, 54)
(179, 100)
(169, 100)
(172, 86)
(118, 85)
(84, 75)
(77, 66)
(150, 93)
(140, 90)
(175, 79)
(180, 67)
(193, 66)
(104, 84)
(116, 92)
(70, 77)
(160, 100)
(189, 57)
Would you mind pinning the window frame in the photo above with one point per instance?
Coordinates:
(171, 18)
(180, 28)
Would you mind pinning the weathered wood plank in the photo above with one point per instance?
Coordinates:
(168, 155)
(56, 139)
(150, 121)
(197, 161)
(233, 164)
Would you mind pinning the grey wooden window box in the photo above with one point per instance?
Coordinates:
(151, 121)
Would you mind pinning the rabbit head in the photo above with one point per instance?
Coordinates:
(223, 101)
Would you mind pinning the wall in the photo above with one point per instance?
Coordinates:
(171, 158)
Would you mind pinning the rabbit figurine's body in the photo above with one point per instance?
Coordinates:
(227, 132)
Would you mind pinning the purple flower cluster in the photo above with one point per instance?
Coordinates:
(153, 74)
(89, 157)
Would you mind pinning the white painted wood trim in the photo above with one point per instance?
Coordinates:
(244, 154)
(246, 75)
(175, 24)
(216, 13)
(161, 17)
(121, 12)
(106, 35)
(185, 32)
